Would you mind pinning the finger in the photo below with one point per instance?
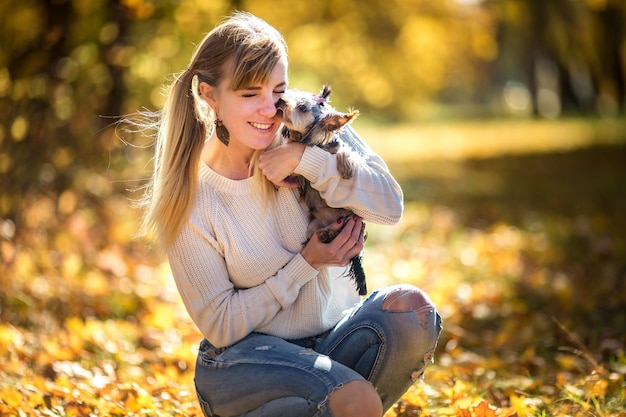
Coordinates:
(338, 224)
(357, 247)
(349, 236)
(357, 231)
(263, 161)
(347, 226)
(363, 236)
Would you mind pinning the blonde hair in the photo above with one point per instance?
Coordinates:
(243, 44)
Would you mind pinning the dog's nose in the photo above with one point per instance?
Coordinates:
(280, 103)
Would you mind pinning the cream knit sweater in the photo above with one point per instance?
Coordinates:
(238, 266)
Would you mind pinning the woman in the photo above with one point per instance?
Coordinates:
(285, 331)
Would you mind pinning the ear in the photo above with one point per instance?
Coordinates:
(325, 93)
(336, 121)
(207, 93)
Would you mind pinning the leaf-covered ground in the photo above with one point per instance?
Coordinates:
(525, 256)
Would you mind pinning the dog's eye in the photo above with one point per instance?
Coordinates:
(303, 108)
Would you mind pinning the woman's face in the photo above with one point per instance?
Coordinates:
(249, 114)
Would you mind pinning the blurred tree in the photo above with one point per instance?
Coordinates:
(393, 59)
(609, 19)
(62, 66)
(568, 54)
(70, 68)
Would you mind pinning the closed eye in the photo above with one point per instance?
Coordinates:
(248, 95)
(303, 108)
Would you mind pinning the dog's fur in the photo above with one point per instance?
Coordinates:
(307, 119)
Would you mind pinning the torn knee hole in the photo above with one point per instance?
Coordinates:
(417, 374)
(408, 299)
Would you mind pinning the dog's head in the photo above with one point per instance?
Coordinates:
(308, 119)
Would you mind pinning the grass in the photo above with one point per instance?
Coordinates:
(517, 231)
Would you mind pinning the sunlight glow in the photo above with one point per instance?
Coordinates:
(469, 256)
(517, 98)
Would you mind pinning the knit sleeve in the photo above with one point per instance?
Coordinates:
(372, 192)
(225, 314)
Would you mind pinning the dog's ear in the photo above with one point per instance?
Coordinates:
(326, 92)
(334, 121)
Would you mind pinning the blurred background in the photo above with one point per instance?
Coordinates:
(504, 121)
(70, 68)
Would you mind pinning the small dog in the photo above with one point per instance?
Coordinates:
(308, 120)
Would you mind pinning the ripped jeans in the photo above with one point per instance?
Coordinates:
(383, 340)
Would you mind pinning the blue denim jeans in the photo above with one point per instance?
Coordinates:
(264, 375)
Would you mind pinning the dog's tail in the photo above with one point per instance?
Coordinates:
(358, 274)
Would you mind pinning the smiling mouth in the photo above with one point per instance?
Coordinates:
(261, 126)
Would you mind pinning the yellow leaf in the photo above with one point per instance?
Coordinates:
(521, 406)
(459, 390)
(77, 409)
(464, 403)
(135, 398)
(11, 397)
(484, 410)
(598, 388)
(39, 383)
(129, 397)
(9, 336)
(416, 398)
(508, 412)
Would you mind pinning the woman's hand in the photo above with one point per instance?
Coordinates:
(279, 163)
(346, 245)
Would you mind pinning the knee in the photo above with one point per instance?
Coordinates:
(356, 399)
(405, 298)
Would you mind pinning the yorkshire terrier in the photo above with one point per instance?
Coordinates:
(307, 119)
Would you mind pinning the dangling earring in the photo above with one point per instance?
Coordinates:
(222, 133)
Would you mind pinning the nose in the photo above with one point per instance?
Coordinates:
(280, 103)
(268, 108)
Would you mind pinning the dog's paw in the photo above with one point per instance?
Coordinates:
(327, 235)
(345, 165)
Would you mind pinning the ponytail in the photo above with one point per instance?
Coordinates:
(169, 197)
